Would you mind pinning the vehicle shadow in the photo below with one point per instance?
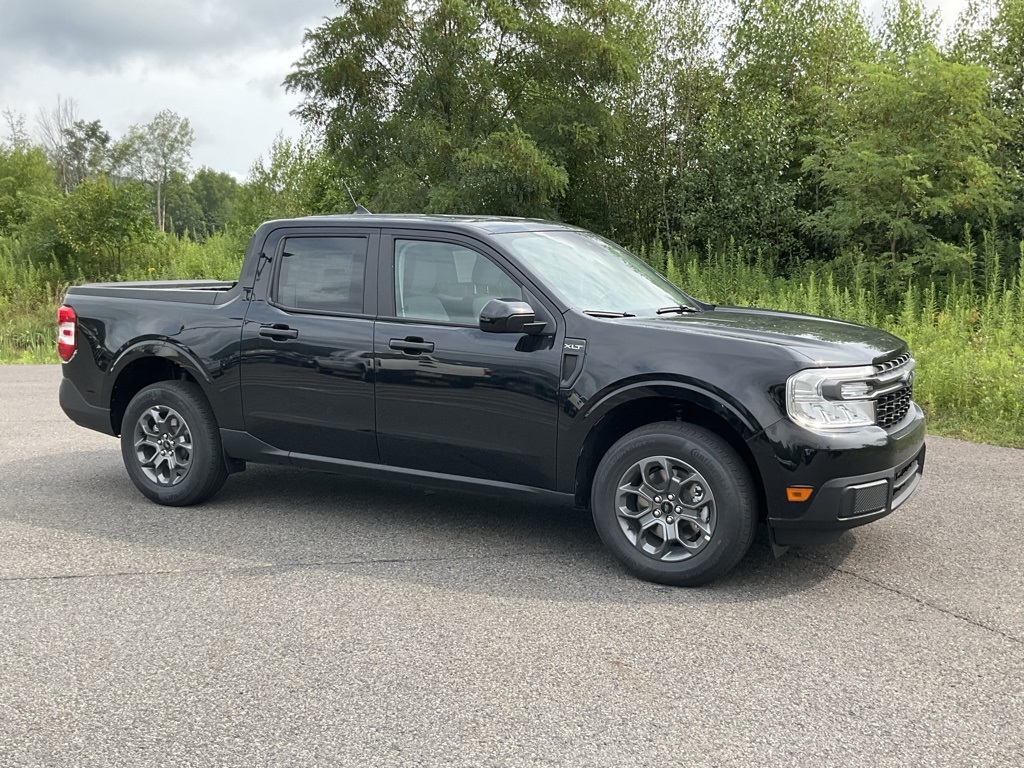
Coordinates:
(283, 518)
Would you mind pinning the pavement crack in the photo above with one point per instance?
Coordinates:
(914, 598)
(258, 567)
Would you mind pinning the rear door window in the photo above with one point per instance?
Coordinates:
(322, 274)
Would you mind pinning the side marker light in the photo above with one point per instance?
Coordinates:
(798, 493)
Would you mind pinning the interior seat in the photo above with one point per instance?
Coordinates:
(491, 283)
(420, 285)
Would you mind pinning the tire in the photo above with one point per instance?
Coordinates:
(696, 534)
(171, 445)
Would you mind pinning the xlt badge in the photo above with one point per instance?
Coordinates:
(573, 351)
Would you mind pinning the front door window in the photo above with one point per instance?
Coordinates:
(448, 283)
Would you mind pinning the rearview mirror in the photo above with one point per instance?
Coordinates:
(509, 316)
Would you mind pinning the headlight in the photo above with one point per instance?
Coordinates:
(832, 398)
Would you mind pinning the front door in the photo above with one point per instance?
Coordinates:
(451, 398)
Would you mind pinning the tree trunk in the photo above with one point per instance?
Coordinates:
(159, 207)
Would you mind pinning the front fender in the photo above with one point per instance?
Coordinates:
(584, 426)
(699, 394)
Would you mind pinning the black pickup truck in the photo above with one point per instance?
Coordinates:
(509, 356)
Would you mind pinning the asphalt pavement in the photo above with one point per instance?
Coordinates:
(301, 619)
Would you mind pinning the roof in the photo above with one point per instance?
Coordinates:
(488, 224)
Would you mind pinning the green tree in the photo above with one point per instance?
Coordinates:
(296, 179)
(216, 194)
(647, 186)
(908, 28)
(742, 188)
(789, 63)
(87, 147)
(465, 105)
(153, 153)
(98, 222)
(915, 165)
(184, 214)
(26, 181)
(991, 35)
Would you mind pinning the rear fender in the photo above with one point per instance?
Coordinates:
(164, 349)
(153, 349)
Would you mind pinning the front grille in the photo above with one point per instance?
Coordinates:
(890, 409)
(906, 481)
(890, 365)
(904, 476)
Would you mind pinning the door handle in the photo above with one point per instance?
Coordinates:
(413, 345)
(278, 332)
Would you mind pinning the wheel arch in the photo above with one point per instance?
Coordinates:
(147, 363)
(648, 405)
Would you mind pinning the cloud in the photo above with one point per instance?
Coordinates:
(220, 64)
(106, 33)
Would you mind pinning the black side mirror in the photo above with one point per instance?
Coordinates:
(509, 316)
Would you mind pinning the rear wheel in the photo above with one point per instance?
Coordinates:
(171, 445)
(675, 504)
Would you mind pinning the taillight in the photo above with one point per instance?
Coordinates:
(67, 337)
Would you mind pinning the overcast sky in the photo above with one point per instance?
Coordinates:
(219, 63)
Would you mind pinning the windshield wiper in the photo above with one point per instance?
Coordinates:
(605, 313)
(680, 308)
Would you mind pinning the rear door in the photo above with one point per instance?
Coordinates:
(307, 344)
(451, 398)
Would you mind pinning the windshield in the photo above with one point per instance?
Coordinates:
(594, 274)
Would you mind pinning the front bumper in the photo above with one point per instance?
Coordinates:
(857, 477)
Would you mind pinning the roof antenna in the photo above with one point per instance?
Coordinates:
(359, 209)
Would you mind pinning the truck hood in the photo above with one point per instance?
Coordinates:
(822, 341)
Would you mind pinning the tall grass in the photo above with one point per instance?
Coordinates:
(178, 258)
(966, 335)
(30, 293)
(28, 299)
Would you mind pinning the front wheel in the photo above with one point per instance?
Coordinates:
(171, 445)
(675, 504)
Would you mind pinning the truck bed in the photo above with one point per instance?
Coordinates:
(185, 291)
